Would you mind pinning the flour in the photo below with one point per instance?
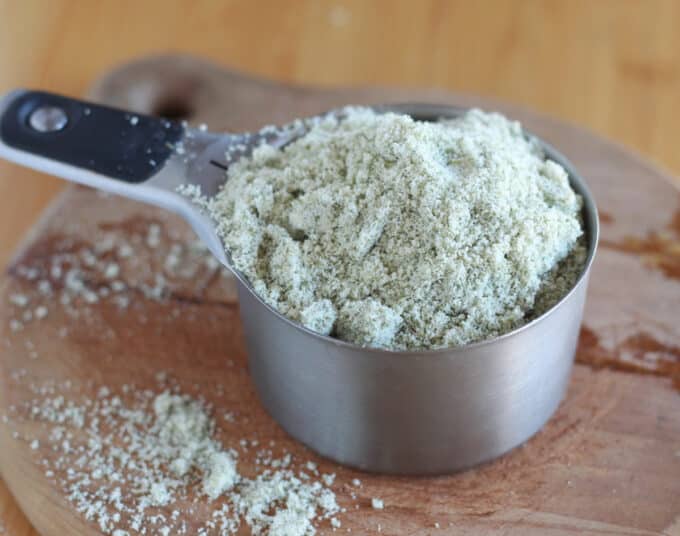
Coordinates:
(152, 461)
(77, 276)
(394, 233)
(139, 462)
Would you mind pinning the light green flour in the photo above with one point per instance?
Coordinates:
(394, 233)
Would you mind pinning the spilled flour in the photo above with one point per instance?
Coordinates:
(394, 233)
(152, 460)
(130, 462)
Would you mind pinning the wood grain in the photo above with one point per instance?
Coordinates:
(605, 464)
(611, 65)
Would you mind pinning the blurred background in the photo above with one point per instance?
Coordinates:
(610, 65)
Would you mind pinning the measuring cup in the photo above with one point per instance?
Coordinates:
(405, 412)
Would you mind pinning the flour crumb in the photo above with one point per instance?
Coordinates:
(111, 271)
(377, 504)
(159, 494)
(311, 466)
(153, 236)
(19, 300)
(221, 474)
(125, 251)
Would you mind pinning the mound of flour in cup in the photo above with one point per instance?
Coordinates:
(395, 233)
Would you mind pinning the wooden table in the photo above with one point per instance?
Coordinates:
(613, 66)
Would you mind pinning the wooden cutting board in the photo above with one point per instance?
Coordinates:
(607, 463)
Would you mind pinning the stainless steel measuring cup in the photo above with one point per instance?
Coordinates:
(405, 412)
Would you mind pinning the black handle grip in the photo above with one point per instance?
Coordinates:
(118, 144)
